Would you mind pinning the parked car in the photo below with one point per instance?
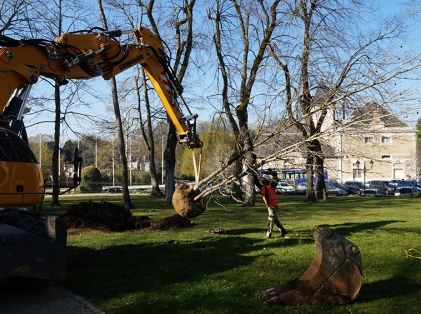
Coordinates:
(405, 192)
(354, 187)
(113, 190)
(342, 187)
(300, 188)
(395, 182)
(370, 192)
(383, 187)
(284, 187)
(409, 183)
(334, 188)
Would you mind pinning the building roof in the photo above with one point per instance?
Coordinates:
(372, 112)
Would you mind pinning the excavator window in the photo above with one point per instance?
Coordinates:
(13, 148)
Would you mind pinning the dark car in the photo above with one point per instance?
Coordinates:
(336, 189)
(354, 187)
(382, 186)
(405, 192)
(113, 190)
(370, 192)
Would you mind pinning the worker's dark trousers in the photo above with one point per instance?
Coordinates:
(273, 219)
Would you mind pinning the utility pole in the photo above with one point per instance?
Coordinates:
(342, 158)
(96, 151)
(130, 160)
(162, 160)
(40, 149)
(59, 161)
(113, 164)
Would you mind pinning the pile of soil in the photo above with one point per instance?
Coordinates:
(183, 201)
(98, 215)
(113, 217)
(172, 222)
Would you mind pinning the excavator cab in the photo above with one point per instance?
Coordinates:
(21, 180)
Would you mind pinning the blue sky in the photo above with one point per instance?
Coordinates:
(386, 7)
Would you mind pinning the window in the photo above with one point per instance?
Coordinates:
(385, 156)
(368, 140)
(356, 172)
(7, 153)
(386, 140)
(13, 148)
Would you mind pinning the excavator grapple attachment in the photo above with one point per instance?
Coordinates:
(334, 276)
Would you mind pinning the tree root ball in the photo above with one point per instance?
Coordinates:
(184, 203)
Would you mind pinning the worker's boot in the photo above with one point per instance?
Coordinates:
(269, 232)
(283, 231)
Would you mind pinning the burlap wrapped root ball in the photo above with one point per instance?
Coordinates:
(184, 203)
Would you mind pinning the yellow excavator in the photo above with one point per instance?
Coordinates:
(78, 55)
(81, 55)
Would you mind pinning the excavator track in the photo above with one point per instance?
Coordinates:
(333, 277)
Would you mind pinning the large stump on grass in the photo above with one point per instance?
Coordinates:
(184, 203)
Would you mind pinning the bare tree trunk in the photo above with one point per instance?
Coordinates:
(249, 64)
(56, 154)
(122, 147)
(318, 171)
(149, 137)
(246, 144)
(184, 43)
(169, 158)
(310, 196)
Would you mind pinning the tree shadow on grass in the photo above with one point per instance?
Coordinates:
(349, 228)
(124, 269)
(388, 288)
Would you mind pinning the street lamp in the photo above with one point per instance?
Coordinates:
(365, 169)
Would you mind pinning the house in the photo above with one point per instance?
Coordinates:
(371, 144)
(374, 145)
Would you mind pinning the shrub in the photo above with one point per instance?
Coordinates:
(141, 177)
(91, 180)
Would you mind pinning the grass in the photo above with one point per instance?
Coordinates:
(144, 272)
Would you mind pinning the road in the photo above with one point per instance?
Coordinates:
(52, 300)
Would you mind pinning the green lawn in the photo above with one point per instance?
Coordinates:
(144, 272)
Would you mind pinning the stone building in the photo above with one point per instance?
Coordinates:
(376, 145)
(372, 144)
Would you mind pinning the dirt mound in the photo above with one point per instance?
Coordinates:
(113, 217)
(183, 201)
(98, 215)
(173, 222)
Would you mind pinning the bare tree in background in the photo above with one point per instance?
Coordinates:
(147, 133)
(325, 66)
(14, 16)
(122, 147)
(256, 23)
(51, 19)
(183, 25)
(145, 123)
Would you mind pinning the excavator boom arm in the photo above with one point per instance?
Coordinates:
(86, 55)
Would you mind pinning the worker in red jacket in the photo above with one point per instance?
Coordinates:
(267, 186)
